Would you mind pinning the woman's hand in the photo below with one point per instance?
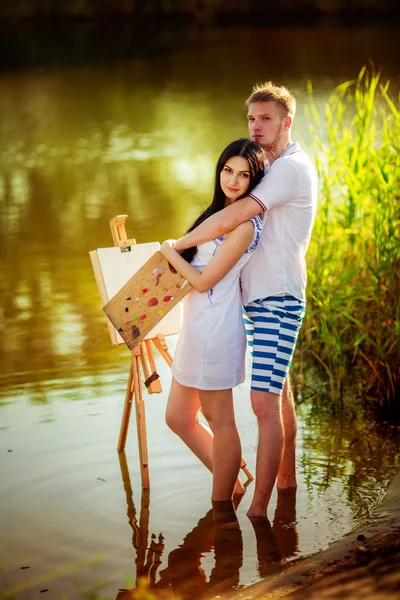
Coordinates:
(179, 245)
(227, 256)
(166, 247)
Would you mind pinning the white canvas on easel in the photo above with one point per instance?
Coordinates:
(113, 267)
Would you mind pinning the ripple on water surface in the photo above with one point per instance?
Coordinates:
(73, 510)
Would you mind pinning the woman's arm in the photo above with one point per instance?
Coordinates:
(221, 222)
(225, 258)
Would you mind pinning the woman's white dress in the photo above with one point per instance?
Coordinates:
(210, 353)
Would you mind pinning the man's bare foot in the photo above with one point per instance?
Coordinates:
(286, 478)
(255, 511)
(288, 483)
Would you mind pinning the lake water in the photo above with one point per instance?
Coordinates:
(84, 137)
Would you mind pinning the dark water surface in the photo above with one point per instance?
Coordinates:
(84, 140)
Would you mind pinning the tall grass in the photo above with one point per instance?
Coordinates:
(353, 314)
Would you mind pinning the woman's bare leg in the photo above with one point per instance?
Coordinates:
(227, 453)
(182, 416)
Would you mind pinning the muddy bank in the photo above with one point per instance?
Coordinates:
(371, 571)
(364, 564)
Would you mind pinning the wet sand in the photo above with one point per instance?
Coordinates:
(363, 564)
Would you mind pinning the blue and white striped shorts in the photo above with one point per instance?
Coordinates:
(272, 326)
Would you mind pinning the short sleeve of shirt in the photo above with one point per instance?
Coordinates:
(280, 185)
(258, 223)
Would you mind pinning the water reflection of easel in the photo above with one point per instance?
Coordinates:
(142, 353)
(146, 565)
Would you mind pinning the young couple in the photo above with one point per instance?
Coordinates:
(247, 248)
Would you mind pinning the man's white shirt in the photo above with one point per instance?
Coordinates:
(288, 195)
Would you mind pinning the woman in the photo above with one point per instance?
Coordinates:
(210, 355)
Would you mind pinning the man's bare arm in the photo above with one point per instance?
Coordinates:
(223, 221)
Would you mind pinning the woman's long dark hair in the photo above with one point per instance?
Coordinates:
(254, 153)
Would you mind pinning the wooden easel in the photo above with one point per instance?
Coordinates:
(142, 360)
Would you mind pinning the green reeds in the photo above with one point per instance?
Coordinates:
(353, 314)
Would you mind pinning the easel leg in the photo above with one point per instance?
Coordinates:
(162, 347)
(151, 377)
(153, 367)
(127, 410)
(140, 420)
(246, 472)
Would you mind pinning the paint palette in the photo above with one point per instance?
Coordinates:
(141, 304)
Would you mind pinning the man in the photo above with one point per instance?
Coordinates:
(274, 280)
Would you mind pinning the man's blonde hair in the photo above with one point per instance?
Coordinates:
(264, 92)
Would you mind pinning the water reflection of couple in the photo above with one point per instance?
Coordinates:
(247, 248)
(219, 529)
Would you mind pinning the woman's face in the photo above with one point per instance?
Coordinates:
(235, 178)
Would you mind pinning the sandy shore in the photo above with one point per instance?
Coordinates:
(363, 564)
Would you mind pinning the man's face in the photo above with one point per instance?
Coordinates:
(266, 122)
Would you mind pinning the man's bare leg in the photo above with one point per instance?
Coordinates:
(182, 416)
(267, 407)
(287, 470)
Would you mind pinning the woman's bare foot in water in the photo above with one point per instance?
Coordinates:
(224, 512)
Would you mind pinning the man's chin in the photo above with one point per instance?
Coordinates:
(265, 145)
(269, 147)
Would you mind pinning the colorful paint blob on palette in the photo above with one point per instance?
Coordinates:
(135, 331)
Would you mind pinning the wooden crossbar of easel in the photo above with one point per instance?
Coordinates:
(142, 363)
(117, 225)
